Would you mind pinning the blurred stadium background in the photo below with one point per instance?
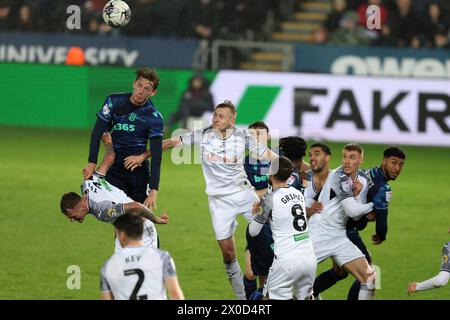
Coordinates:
(308, 67)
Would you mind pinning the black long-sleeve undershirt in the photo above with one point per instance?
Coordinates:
(156, 151)
(100, 127)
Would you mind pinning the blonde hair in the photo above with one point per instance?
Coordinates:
(227, 104)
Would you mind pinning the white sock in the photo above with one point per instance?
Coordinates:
(235, 276)
(365, 293)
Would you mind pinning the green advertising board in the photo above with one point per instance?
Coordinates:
(54, 96)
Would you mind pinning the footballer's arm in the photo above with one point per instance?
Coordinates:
(143, 211)
(100, 127)
(108, 156)
(436, 282)
(355, 209)
(173, 288)
(132, 162)
(106, 295)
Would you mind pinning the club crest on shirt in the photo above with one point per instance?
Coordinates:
(346, 184)
(290, 180)
(388, 196)
(106, 110)
(444, 258)
(111, 212)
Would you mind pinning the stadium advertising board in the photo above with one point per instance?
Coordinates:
(368, 61)
(98, 50)
(341, 108)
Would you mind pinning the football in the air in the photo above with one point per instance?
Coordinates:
(116, 13)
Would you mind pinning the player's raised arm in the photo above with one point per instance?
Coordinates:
(132, 162)
(109, 154)
(101, 126)
(172, 143)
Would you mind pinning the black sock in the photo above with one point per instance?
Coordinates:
(249, 286)
(326, 280)
(354, 291)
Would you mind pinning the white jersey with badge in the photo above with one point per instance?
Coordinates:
(137, 273)
(98, 189)
(223, 159)
(106, 204)
(338, 187)
(285, 209)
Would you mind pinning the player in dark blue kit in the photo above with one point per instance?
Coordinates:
(379, 193)
(259, 251)
(294, 148)
(133, 120)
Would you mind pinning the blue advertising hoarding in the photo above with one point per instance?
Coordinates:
(98, 50)
(371, 61)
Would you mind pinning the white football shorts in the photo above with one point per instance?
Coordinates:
(225, 209)
(291, 276)
(341, 249)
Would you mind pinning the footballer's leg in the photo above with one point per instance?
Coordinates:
(232, 268)
(357, 241)
(250, 284)
(329, 278)
(364, 273)
(224, 224)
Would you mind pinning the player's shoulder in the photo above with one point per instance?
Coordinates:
(241, 133)
(206, 134)
(107, 263)
(151, 111)
(162, 254)
(268, 196)
(362, 175)
(117, 97)
(338, 174)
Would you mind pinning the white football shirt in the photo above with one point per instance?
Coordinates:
(137, 273)
(285, 209)
(106, 204)
(338, 187)
(223, 158)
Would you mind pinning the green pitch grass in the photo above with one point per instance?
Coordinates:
(39, 243)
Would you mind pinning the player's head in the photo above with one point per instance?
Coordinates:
(73, 207)
(129, 227)
(281, 169)
(260, 131)
(352, 157)
(393, 160)
(145, 85)
(224, 116)
(293, 148)
(319, 157)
